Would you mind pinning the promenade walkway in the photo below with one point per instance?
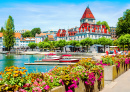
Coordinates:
(121, 84)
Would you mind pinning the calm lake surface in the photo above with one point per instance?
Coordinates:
(19, 60)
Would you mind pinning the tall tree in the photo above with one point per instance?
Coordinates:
(27, 34)
(8, 34)
(2, 29)
(123, 24)
(35, 30)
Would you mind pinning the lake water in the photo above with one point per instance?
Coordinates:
(19, 60)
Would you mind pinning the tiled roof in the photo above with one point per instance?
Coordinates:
(42, 34)
(50, 37)
(18, 35)
(87, 14)
(24, 39)
(1, 34)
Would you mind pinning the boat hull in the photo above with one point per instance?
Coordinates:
(50, 59)
(68, 60)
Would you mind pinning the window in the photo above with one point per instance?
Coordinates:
(90, 20)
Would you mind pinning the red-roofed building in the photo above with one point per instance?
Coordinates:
(87, 28)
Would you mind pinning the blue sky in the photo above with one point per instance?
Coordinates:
(55, 14)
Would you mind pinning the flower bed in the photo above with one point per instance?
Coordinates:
(114, 66)
(69, 79)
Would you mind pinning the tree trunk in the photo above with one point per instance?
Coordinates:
(123, 48)
(32, 49)
(128, 47)
(74, 48)
(87, 48)
(104, 48)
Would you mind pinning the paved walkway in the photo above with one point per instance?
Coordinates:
(121, 84)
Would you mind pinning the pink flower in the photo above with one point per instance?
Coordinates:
(51, 80)
(60, 80)
(22, 90)
(43, 83)
(46, 87)
(86, 83)
(51, 77)
(37, 89)
(26, 85)
(36, 83)
(37, 79)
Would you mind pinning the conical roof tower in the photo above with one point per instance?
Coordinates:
(87, 17)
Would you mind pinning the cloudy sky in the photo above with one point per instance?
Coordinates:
(55, 14)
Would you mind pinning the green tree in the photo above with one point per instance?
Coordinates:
(61, 44)
(115, 43)
(8, 34)
(73, 43)
(122, 41)
(32, 45)
(2, 29)
(127, 39)
(27, 34)
(98, 22)
(46, 45)
(103, 23)
(88, 42)
(104, 41)
(46, 39)
(41, 45)
(35, 30)
(123, 24)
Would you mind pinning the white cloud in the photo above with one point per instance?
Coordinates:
(28, 16)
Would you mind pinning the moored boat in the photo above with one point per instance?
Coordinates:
(67, 59)
(52, 57)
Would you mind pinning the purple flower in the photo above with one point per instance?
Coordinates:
(46, 87)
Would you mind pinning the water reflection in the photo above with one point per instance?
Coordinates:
(19, 60)
(8, 61)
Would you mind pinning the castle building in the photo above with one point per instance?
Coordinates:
(113, 33)
(87, 28)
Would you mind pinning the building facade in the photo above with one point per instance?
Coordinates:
(40, 37)
(113, 33)
(21, 31)
(87, 28)
(25, 41)
(1, 39)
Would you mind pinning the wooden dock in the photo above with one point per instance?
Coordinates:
(49, 63)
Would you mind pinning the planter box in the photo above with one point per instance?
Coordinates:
(82, 87)
(58, 89)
